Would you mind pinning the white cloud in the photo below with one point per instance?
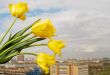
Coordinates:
(89, 49)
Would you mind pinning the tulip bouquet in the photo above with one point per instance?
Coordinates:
(40, 30)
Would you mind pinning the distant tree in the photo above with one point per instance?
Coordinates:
(106, 70)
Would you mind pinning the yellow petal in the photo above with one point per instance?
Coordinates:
(56, 46)
(18, 10)
(45, 61)
(22, 17)
(44, 29)
(12, 8)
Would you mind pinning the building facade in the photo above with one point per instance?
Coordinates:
(16, 69)
(69, 68)
(20, 58)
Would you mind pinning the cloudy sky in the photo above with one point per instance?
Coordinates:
(84, 25)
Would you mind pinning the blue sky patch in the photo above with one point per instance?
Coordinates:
(4, 15)
(43, 11)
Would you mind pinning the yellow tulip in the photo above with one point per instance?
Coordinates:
(18, 10)
(44, 29)
(56, 46)
(45, 61)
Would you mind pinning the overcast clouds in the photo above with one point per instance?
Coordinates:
(83, 24)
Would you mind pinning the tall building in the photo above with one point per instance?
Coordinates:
(95, 65)
(20, 58)
(60, 69)
(69, 68)
(83, 69)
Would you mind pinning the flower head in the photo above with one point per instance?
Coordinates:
(44, 29)
(56, 46)
(18, 10)
(45, 61)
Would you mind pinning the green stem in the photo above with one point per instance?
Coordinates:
(15, 54)
(34, 45)
(14, 40)
(54, 55)
(8, 30)
(27, 53)
(8, 49)
(28, 38)
(38, 45)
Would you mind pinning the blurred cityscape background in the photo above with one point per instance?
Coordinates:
(26, 66)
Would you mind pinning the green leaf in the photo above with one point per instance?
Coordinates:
(24, 30)
(10, 36)
(12, 42)
(21, 45)
(8, 57)
(26, 44)
(17, 37)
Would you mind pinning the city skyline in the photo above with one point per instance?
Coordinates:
(83, 24)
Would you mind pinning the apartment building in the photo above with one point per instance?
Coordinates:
(69, 68)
